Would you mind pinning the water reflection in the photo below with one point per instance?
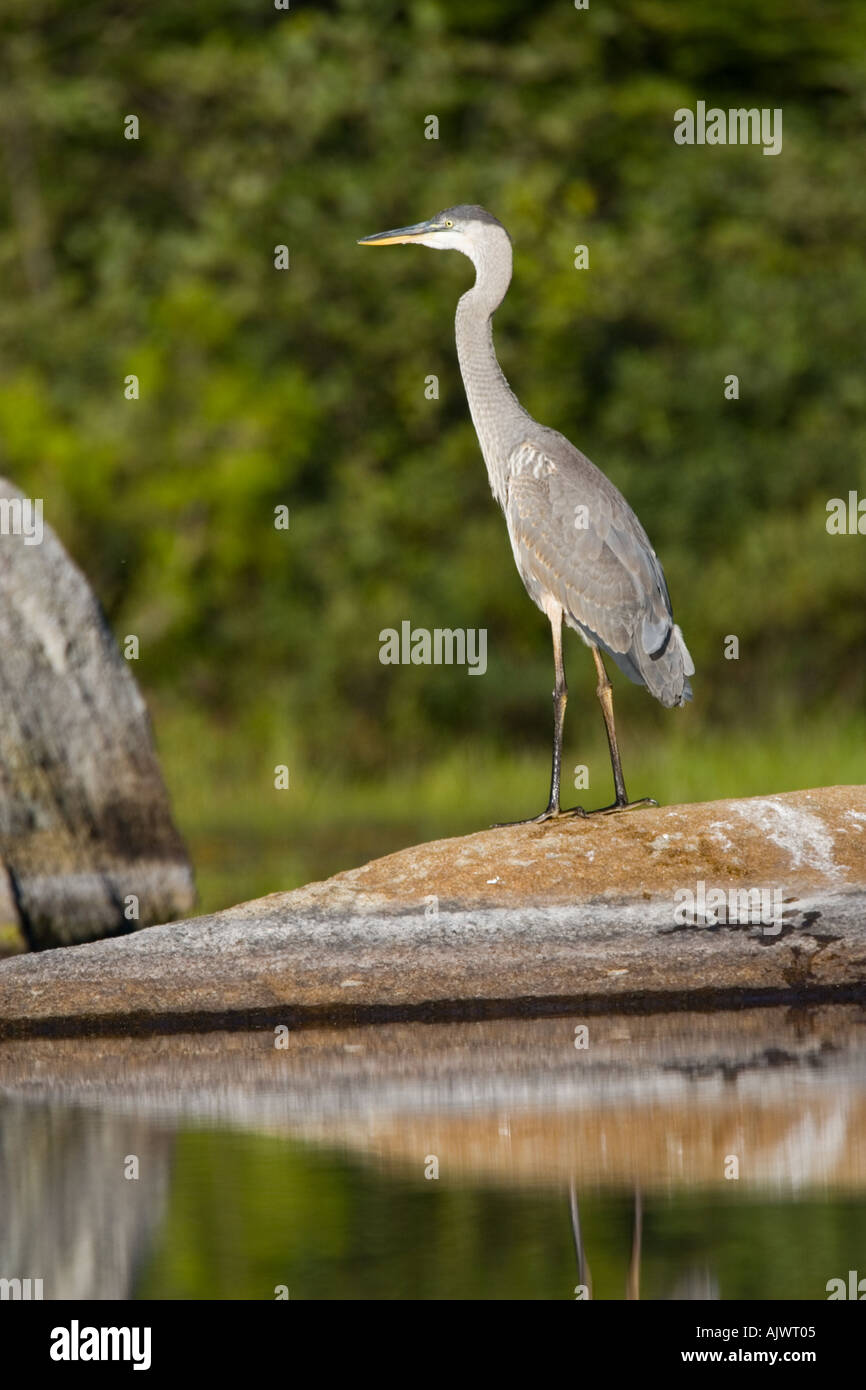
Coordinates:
(689, 1156)
(70, 1216)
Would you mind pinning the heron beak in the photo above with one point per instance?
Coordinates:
(401, 234)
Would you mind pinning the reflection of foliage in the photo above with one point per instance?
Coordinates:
(306, 387)
(248, 1213)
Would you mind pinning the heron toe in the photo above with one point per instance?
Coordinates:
(552, 813)
(623, 806)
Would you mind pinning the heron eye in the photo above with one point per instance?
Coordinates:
(448, 222)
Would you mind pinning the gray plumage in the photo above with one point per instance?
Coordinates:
(580, 550)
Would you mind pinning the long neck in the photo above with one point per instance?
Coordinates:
(499, 419)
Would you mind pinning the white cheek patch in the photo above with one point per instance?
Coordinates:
(448, 241)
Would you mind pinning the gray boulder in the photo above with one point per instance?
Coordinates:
(87, 839)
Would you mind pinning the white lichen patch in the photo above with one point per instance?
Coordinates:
(663, 842)
(718, 828)
(800, 834)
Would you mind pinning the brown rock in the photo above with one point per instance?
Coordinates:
(522, 919)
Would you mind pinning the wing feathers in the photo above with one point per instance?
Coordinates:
(576, 539)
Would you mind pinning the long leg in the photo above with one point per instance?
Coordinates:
(560, 700)
(604, 691)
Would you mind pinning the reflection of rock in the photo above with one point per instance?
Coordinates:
(70, 1217)
(654, 1102)
(505, 921)
(84, 815)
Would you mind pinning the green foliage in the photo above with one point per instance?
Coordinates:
(306, 387)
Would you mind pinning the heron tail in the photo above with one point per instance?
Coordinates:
(665, 672)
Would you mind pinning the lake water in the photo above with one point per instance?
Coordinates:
(689, 1156)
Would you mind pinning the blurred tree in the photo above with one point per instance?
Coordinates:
(305, 387)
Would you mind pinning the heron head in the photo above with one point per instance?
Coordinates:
(467, 228)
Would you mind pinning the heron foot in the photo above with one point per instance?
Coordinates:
(555, 813)
(623, 806)
(552, 813)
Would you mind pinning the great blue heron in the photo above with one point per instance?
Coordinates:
(579, 548)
